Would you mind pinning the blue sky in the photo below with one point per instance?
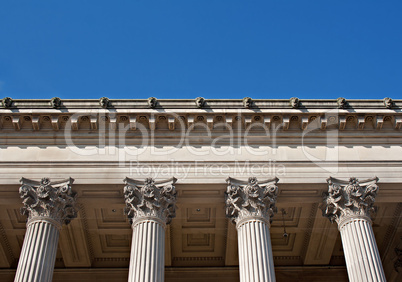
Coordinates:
(215, 49)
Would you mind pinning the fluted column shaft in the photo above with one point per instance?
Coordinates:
(48, 206)
(363, 261)
(38, 252)
(350, 204)
(251, 205)
(255, 251)
(147, 261)
(149, 207)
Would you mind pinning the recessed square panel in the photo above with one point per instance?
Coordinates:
(112, 243)
(111, 218)
(17, 220)
(291, 217)
(282, 243)
(198, 242)
(199, 217)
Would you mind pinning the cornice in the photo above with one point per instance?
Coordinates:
(226, 122)
(251, 104)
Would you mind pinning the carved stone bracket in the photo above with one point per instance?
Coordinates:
(250, 199)
(150, 199)
(44, 199)
(349, 198)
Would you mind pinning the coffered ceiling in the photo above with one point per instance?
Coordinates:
(200, 237)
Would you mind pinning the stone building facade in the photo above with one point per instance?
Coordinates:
(200, 190)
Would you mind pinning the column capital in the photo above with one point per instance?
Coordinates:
(150, 200)
(349, 199)
(250, 199)
(47, 200)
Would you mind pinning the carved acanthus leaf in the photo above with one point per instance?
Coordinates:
(388, 103)
(200, 102)
(341, 102)
(247, 102)
(46, 199)
(104, 102)
(349, 198)
(55, 102)
(294, 102)
(7, 102)
(150, 199)
(152, 102)
(250, 199)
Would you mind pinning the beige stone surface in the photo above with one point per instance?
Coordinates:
(201, 243)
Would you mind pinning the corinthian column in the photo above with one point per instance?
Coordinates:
(149, 206)
(350, 204)
(251, 205)
(48, 205)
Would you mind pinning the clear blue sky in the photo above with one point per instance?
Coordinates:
(214, 49)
